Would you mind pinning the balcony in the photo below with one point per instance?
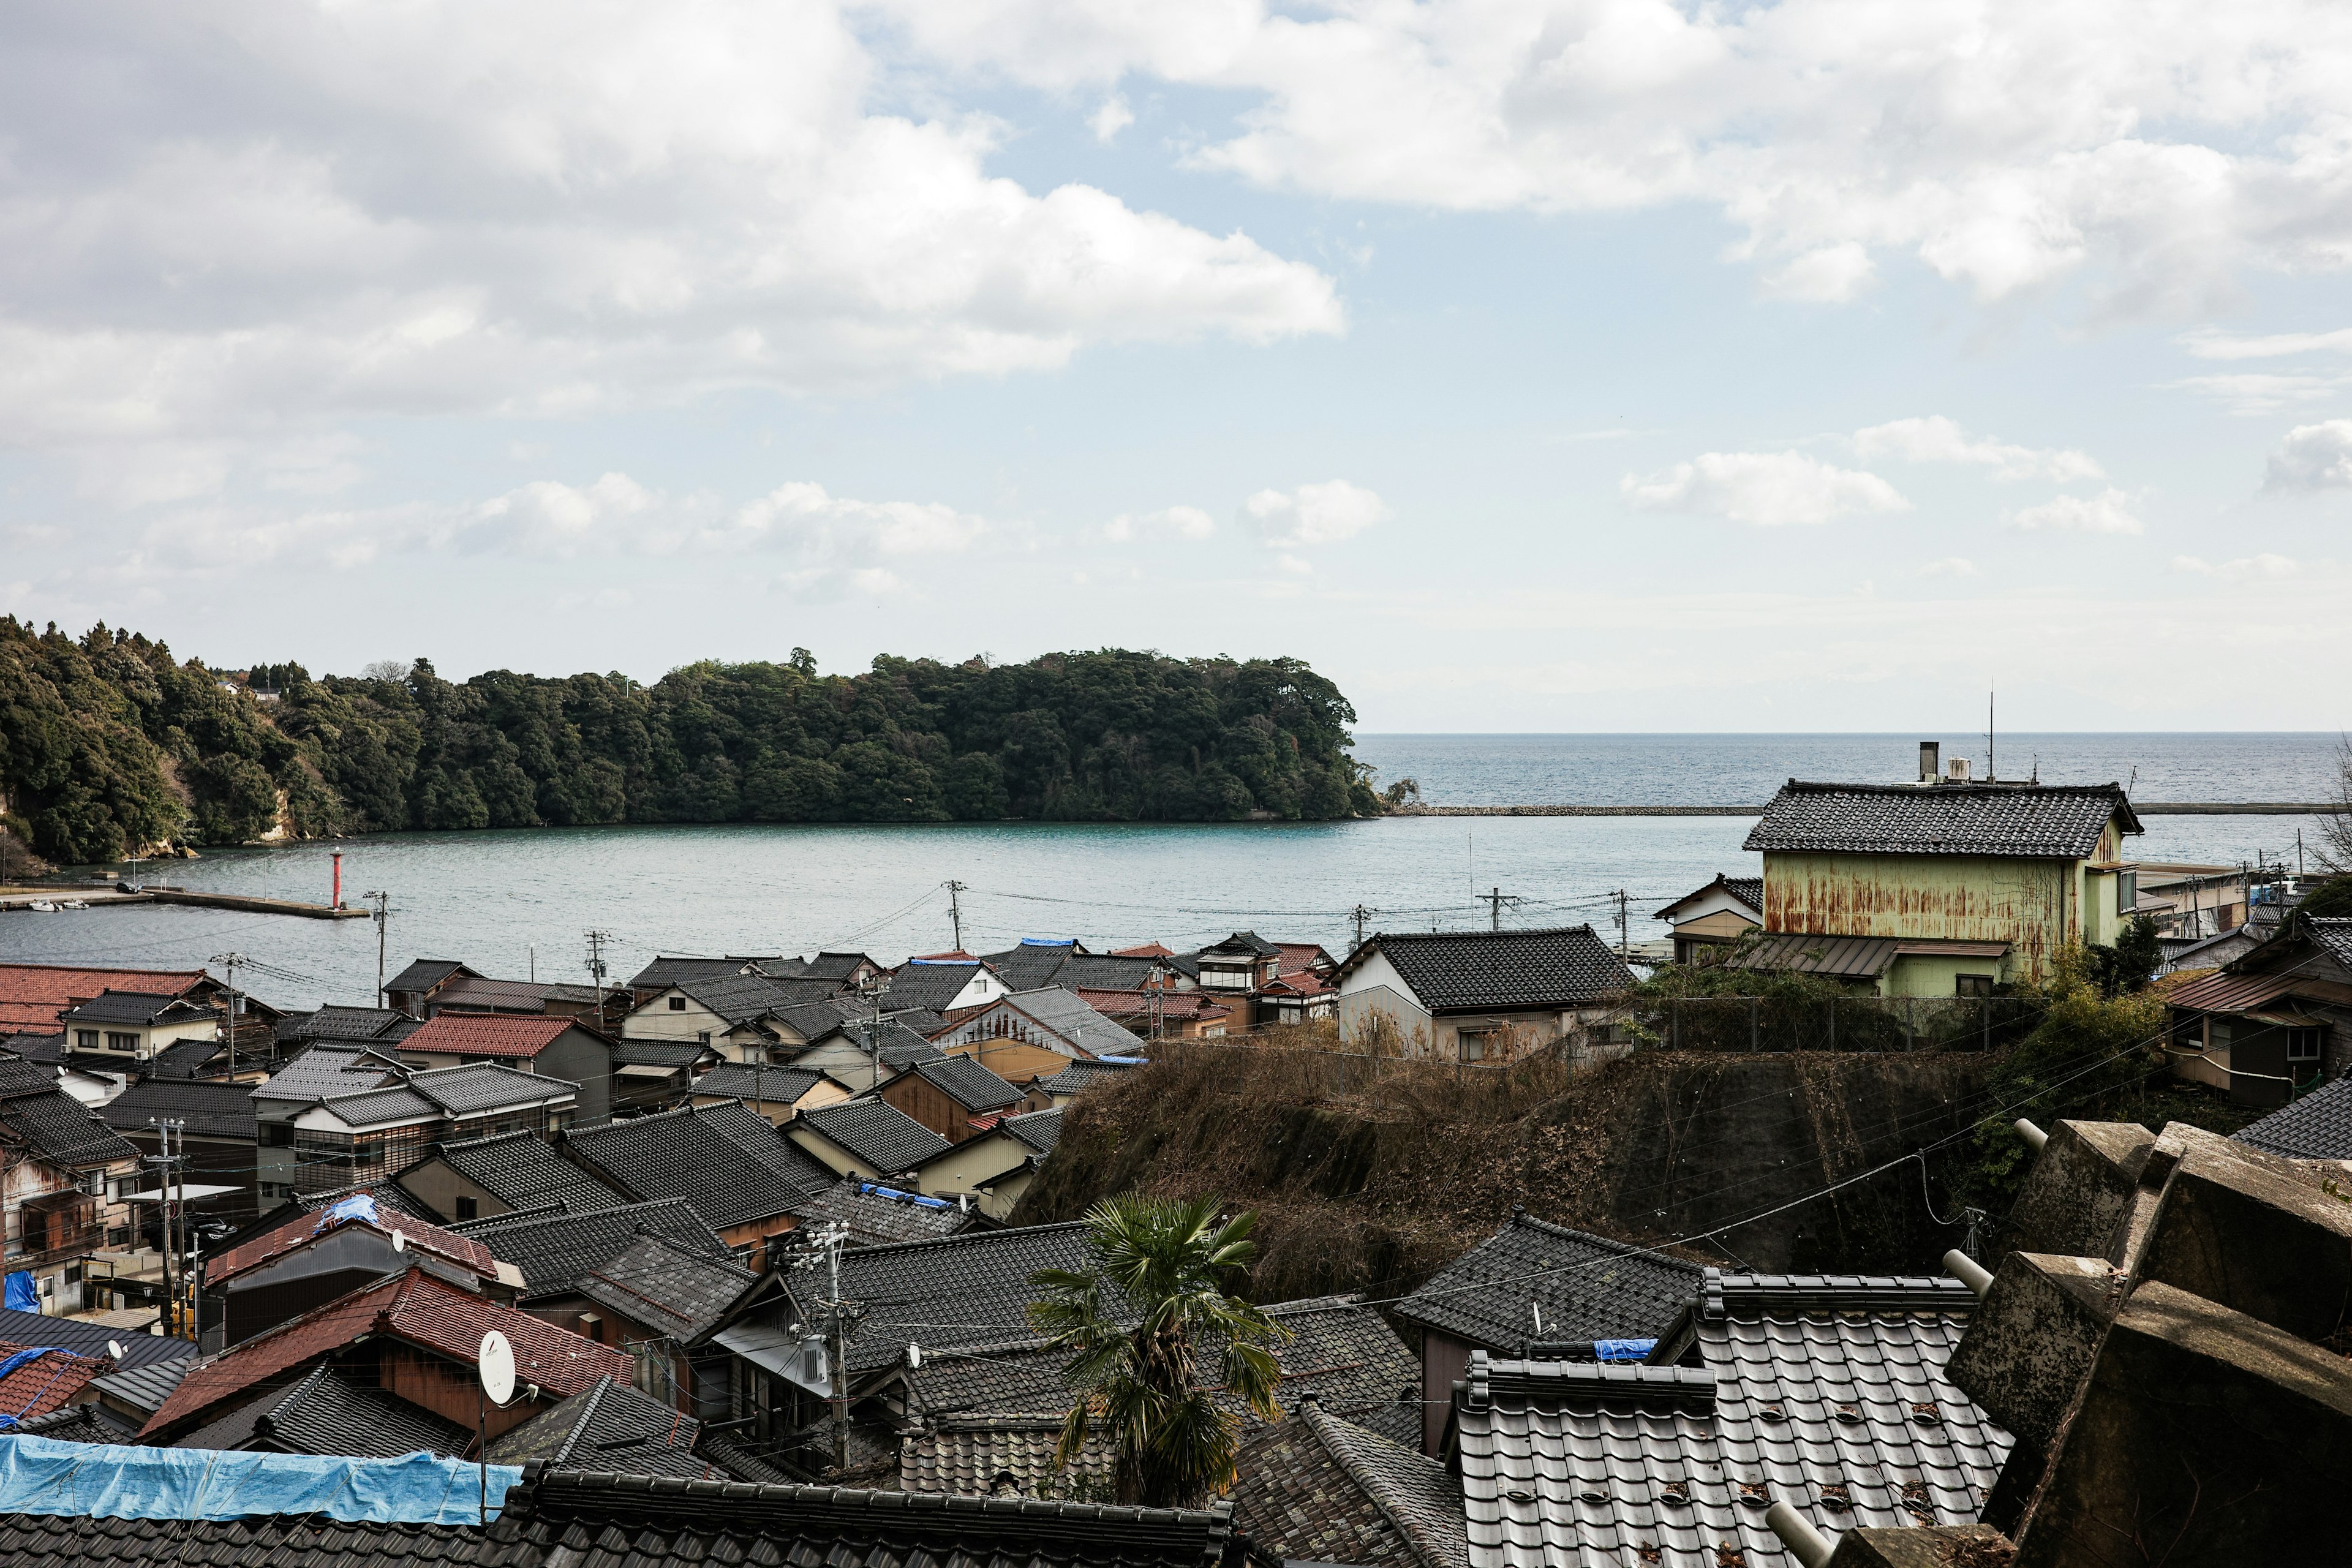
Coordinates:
(54, 1228)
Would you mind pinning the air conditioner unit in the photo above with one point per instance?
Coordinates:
(1957, 771)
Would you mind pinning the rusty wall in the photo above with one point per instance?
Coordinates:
(1954, 898)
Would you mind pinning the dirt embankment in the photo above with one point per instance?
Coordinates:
(1371, 1183)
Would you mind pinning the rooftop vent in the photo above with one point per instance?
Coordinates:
(1957, 771)
(1930, 770)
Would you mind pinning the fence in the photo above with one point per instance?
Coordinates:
(1758, 1024)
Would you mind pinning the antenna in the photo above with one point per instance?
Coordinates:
(1989, 774)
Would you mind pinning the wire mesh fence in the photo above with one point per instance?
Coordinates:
(1763, 1024)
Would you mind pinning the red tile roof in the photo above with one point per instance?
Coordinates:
(302, 1228)
(953, 955)
(1138, 1003)
(46, 1382)
(1299, 955)
(1149, 949)
(486, 1035)
(412, 1306)
(33, 994)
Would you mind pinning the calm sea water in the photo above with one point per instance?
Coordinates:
(509, 902)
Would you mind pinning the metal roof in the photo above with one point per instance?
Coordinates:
(2042, 822)
(1837, 957)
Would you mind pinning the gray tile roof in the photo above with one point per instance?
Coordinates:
(130, 1008)
(2042, 822)
(769, 1085)
(610, 1426)
(1099, 972)
(741, 998)
(681, 1291)
(930, 986)
(968, 1083)
(1066, 1013)
(79, 1424)
(485, 1086)
(898, 1045)
(967, 1290)
(2332, 935)
(1590, 1287)
(980, 1455)
(1564, 966)
(89, 1339)
(326, 1071)
(59, 1128)
(1080, 1077)
(187, 1059)
(1321, 1489)
(1030, 966)
(2318, 1126)
(336, 1022)
(386, 1107)
(875, 1217)
(326, 1414)
(1826, 1394)
(663, 973)
(553, 1251)
(422, 973)
(1041, 1130)
(724, 1159)
(880, 1135)
(211, 1108)
(920, 1022)
(521, 1169)
(658, 1053)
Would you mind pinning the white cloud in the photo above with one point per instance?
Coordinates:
(2109, 512)
(2207, 343)
(1112, 118)
(1766, 488)
(1314, 514)
(2254, 393)
(1949, 566)
(1936, 439)
(2004, 145)
(281, 217)
(2246, 568)
(2314, 458)
(1176, 521)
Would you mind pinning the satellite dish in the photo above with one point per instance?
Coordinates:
(498, 1367)
(399, 1241)
(114, 1349)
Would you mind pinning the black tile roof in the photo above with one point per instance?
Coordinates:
(725, 1159)
(663, 973)
(968, 1290)
(554, 1251)
(329, 1069)
(2332, 935)
(485, 1086)
(741, 998)
(2041, 822)
(920, 1022)
(337, 1022)
(609, 1427)
(880, 1135)
(1080, 1077)
(328, 1414)
(89, 1339)
(1243, 941)
(968, 1083)
(1589, 1287)
(1098, 971)
(1041, 1130)
(130, 1008)
(59, 1129)
(187, 1059)
(212, 1109)
(522, 1169)
(391, 1105)
(875, 1217)
(770, 1085)
(1321, 1489)
(81, 1423)
(1802, 1384)
(680, 1291)
(2319, 1126)
(926, 986)
(1564, 966)
(1028, 966)
(658, 1053)
(422, 975)
(897, 1046)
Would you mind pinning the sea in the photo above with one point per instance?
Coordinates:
(522, 904)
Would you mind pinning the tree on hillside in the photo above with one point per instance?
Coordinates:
(1144, 1320)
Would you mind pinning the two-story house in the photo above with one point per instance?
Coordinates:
(1939, 889)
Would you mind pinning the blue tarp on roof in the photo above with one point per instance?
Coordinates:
(39, 1475)
(22, 1294)
(1622, 1350)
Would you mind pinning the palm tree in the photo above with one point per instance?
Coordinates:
(1141, 1319)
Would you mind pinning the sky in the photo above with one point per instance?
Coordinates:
(1523, 365)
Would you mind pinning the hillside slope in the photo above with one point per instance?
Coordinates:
(1373, 1186)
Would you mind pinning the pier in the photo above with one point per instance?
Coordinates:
(2143, 809)
(107, 897)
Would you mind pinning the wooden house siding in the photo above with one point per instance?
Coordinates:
(918, 1098)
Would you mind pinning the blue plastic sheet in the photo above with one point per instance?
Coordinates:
(1622, 1350)
(359, 1205)
(23, 1294)
(40, 1475)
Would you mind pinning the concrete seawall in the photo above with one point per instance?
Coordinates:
(2144, 808)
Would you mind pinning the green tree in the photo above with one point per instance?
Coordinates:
(1141, 1320)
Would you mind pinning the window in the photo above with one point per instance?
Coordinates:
(85, 1039)
(2302, 1045)
(468, 1209)
(1476, 1044)
(118, 1041)
(1972, 985)
(2126, 892)
(677, 1004)
(277, 1134)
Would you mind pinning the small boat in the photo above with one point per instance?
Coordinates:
(74, 904)
(42, 906)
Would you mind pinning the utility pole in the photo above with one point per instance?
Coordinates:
(840, 1313)
(229, 961)
(955, 909)
(166, 1165)
(383, 921)
(1621, 896)
(596, 941)
(1361, 916)
(1496, 900)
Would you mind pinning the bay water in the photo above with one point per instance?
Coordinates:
(515, 904)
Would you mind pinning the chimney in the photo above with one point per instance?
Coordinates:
(1931, 767)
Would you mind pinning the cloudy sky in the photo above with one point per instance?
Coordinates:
(1526, 364)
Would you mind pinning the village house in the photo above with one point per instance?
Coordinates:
(2272, 1023)
(659, 1302)
(940, 985)
(1939, 889)
(1052, 1091)
(217, 1129)
(1715, 917)
(778, 1094)
(556, 1048)
(991, 1170)
(864, 1138)
(862, 1054)
(133, 1027)
(1168, 1014)
(872, 1214)
(35, 996)
(554, 1251)
(487, 1178)
(612, 1420)
(1030, 1032)
(742, 1179)
(60, 1184)
(948, 1094)
(1476, 996)
(364, 1136)
(742, 1018)
(322, 1071)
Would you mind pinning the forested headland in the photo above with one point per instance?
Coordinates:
(107, 744)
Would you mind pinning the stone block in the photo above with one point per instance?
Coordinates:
(2257, 1234)
(1930, 1546)
(2203, 1436)
(2032, 1339)
(2081, 1185)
